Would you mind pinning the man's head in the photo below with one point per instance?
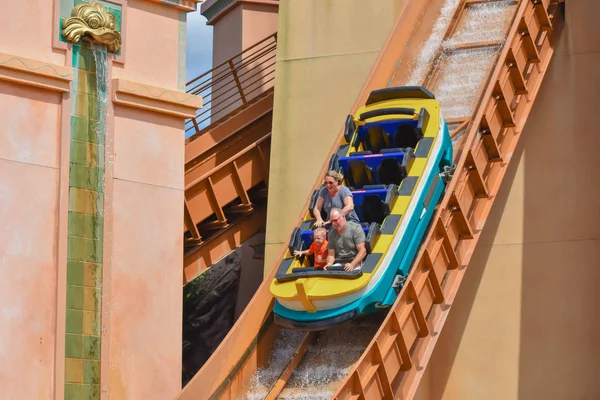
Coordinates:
(337, 218)
(320, 234)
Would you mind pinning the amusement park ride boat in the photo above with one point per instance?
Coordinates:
(397, 149)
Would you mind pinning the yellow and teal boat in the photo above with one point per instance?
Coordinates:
(396, 149)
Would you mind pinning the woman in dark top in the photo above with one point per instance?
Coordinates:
(334, 195)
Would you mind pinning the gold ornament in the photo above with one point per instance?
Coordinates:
(95, 22)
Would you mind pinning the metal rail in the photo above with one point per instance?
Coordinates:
(227, 160)
(232, 85)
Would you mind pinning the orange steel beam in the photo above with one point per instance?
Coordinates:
(213, 156)
(222, 243)
(395, 359)
(196, 148)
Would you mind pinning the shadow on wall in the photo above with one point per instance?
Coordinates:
(559, 333)
(446, 350)
(554, 354)
(208, 312)
(213, 302)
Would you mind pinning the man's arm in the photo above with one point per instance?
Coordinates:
(330, 257)
(362, 252)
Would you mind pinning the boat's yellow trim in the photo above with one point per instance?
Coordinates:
(305, 289)
(302, 290)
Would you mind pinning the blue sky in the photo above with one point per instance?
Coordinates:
(199, 45)
(199, 50)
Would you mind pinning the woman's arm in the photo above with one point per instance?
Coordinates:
(348, 205)
(317, 212)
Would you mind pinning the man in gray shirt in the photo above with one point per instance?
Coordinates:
(346, 242)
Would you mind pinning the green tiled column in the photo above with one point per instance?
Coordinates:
(86, 199)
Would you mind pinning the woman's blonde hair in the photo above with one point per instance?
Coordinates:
(335, 175)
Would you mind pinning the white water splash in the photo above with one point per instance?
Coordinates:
(433, 44)
(483, 22)
(283, 349)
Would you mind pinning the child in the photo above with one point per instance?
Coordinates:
(318, 248)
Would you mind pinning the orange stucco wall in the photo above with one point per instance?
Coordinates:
(29, 177)
(240, 25)
(152, 36)
(27, 32)
(143, 220)
(147, 257)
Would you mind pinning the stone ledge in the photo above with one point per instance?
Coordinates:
(185, 5)
(35, 73)
(152, 98)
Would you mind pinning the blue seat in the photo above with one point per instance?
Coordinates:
(386, 168)
(374, 203)
(359, 198)
(379, 135)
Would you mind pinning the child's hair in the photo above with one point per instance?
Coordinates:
(321, 231)
(335, 175)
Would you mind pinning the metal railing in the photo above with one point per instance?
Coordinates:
(232, 84)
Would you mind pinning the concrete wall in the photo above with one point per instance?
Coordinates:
(227, 36)
(325, 50)
(524, 324)
(239, 25)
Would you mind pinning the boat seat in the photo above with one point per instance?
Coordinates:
(313, 202)
(358, 175)
(390, 171)
(372, 233)
(296, 242)
(375, 139)
(386, 195)
(374, 208)
(360, 153)
(407, 136)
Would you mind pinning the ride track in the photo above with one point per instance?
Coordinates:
(396, 356)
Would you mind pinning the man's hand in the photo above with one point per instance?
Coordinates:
(348, 267)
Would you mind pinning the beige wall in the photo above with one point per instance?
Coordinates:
(524, 323)
(325, 50)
